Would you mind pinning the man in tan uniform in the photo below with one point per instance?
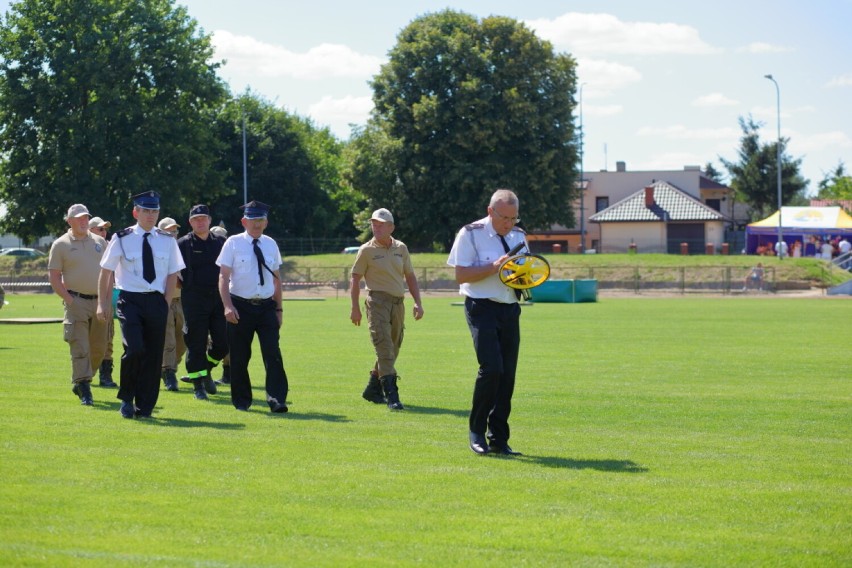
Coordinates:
(101, 228)
(175, 346)
(73, 267)
(385, 265)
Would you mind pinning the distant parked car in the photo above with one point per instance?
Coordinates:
(350, 250)
(26, 252)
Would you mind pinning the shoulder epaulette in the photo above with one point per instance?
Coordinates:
(124, 232)
(164, 233)
(473, 226)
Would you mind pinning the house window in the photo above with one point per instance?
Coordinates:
(601, 203)
(715, 204)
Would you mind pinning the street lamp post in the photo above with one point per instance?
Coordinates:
(582, 182)
(245, 168)
(778, 166)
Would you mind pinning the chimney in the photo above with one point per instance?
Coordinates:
(621, 166)
(649, 196)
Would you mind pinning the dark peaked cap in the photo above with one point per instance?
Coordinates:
(255, 210)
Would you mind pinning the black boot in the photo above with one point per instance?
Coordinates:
(373, 392)
(170, 380)
(84, 391)
(226, 376)
(391, 392)
(198, 386)
(105, 374)
(209, 383)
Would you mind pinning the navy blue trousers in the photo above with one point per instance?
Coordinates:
(260, 319)
(143, 331)
(496, 333)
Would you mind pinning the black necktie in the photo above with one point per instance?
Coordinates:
(260, 262)
(148, 272)
(503, 242)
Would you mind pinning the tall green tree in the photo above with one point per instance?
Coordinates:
(290, 164)
(755, 176)
(836, 185)
(464, 107)
(99, 100)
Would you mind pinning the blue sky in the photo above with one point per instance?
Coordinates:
(664, 82)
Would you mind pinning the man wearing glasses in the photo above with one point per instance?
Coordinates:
(493, 316)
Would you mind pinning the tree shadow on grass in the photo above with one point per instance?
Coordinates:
(434, 410)
(611, 466)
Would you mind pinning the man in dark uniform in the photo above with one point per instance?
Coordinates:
(145, 262)
(493, 316)
(251, 293)
(203, 311)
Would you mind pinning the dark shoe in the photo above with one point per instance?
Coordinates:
(278, 408)
(170, 380)
(504, 449)
(241, 408)
(186, 379)
(478, 444)
(226, 376)
(373, 392)
(198, 387)
(127, 409)
(105, 375)
(85, 391)
(140, 414)
(209, 385)
(391, 392)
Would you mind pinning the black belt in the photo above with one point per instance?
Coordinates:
(84, 296)
(254, 301)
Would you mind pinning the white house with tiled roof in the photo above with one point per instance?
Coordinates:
(604, 188)
(659, 218)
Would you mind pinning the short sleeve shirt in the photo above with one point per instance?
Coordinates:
(478, 244)
(200, 256)
(384, 268)
(78, 260)
(124, 256)
(238, 255)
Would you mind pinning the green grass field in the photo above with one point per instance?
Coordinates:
(664, 432)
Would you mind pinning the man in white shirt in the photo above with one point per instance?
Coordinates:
(493, 316)
(250, 289)
(145, 262)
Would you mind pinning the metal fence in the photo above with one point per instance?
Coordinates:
(683, 279)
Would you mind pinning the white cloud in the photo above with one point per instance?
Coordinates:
(602, 77)
(252, 57)
(681, 132)
(840, 81)
(669, 161)
(602, 110)
(346, 110)
(714, 100)
(605, 33)
(809, 143)
(762, 47)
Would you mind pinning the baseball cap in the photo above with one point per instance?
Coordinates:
(77, 210)
(98, 223)
(167, 223)
(382, 215)
(199, 210)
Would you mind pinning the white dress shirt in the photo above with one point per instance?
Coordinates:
(478, 244)
(238, 255)
(124, 256)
